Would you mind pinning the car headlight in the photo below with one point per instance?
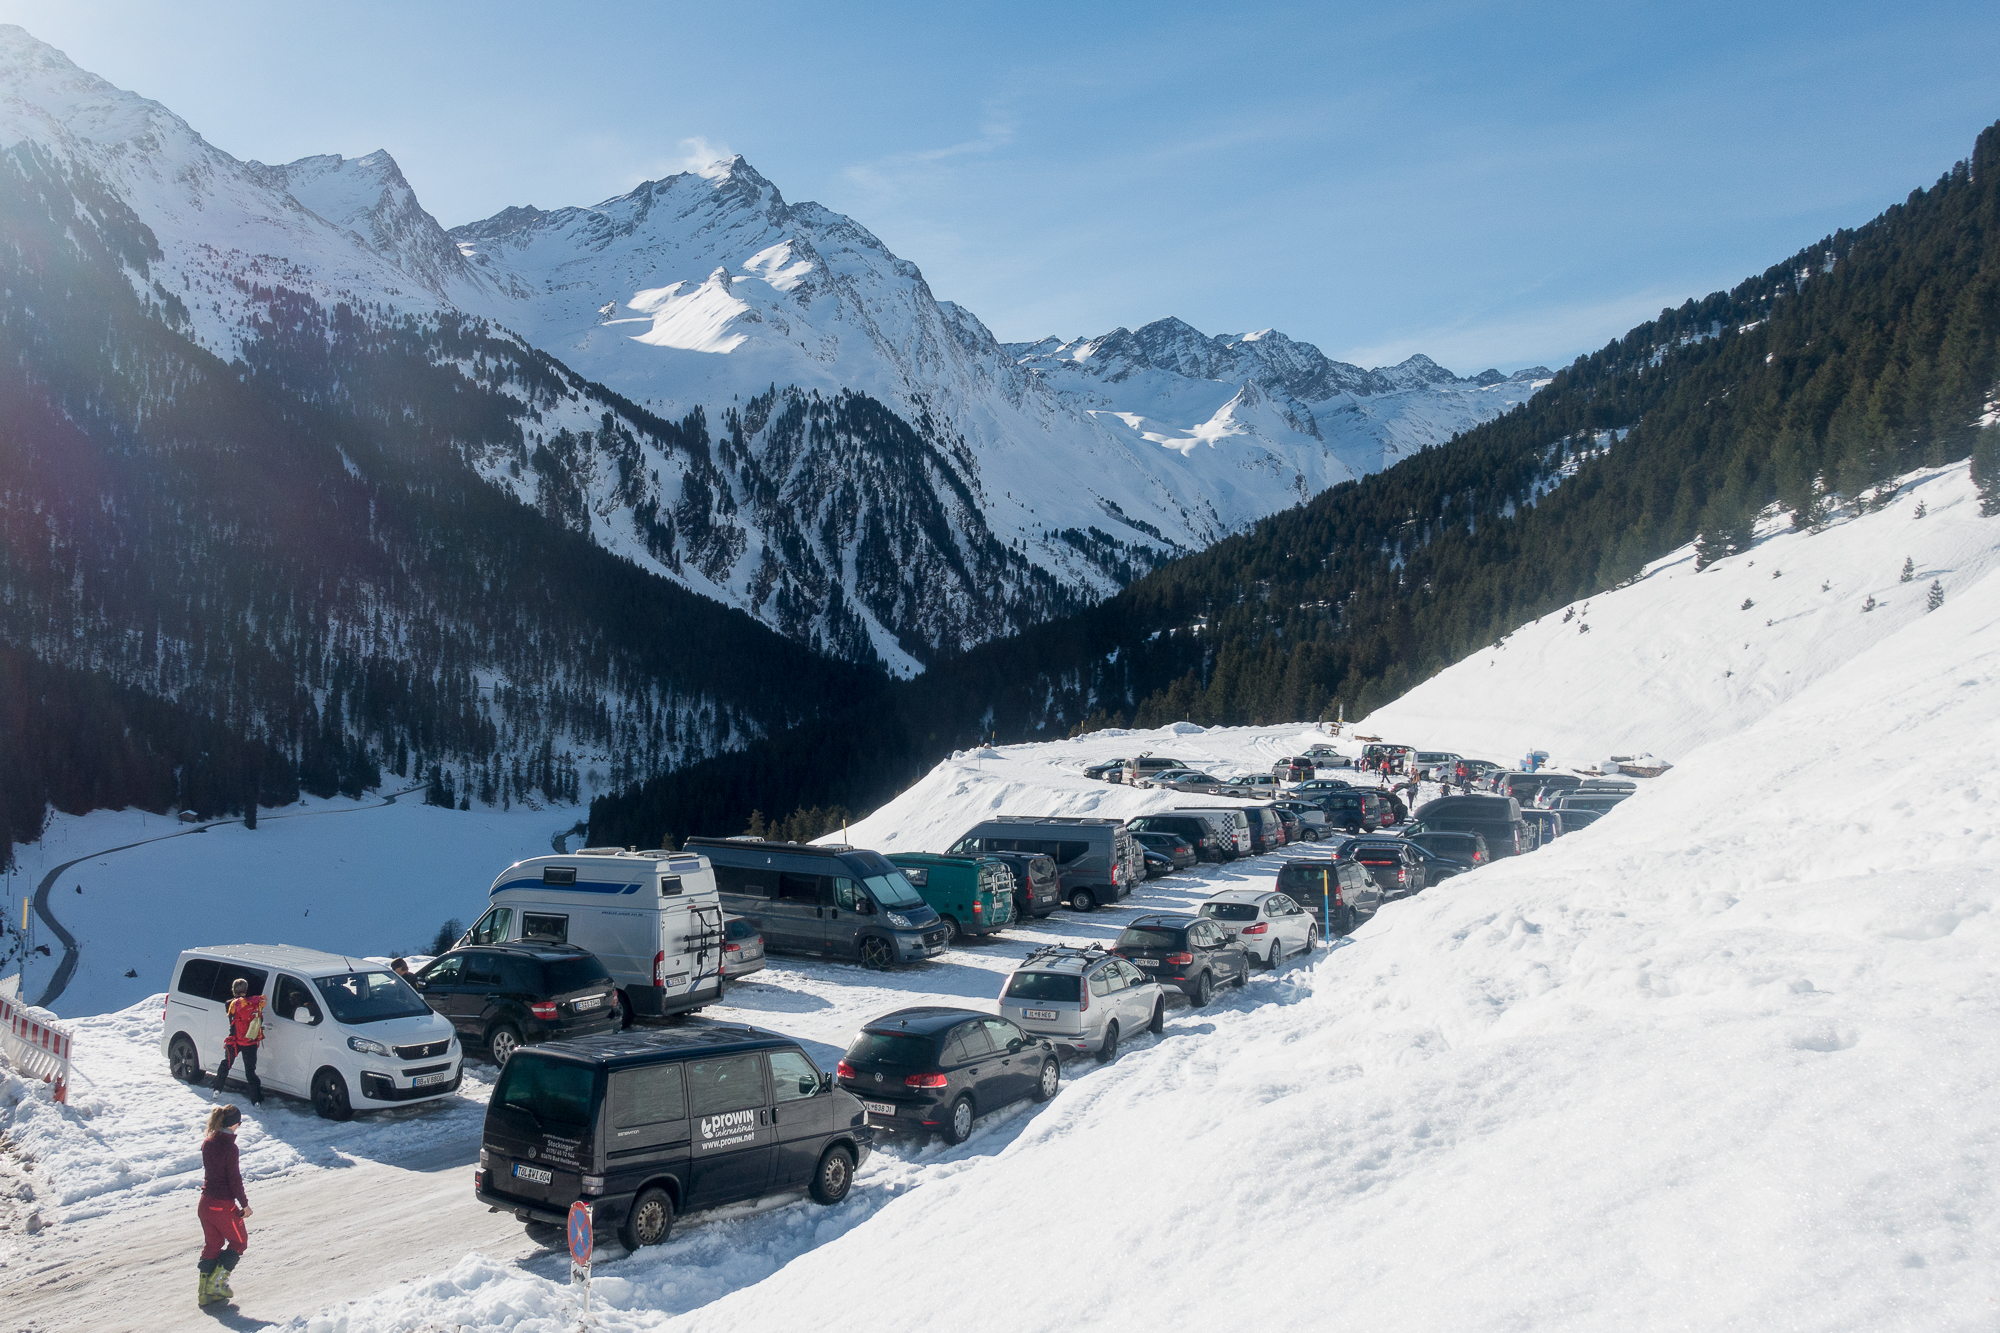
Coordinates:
(898, 920)
(366, 1047)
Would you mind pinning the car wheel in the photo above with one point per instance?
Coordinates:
(834, 1176)
(329, 1094)
(1312, 938)
(1048, 1080)
(1108, 1051)
(875, 952)
(1347, 920)
(951, 930)
(502, 1042)
(958, 1125)
(1159, 1023)
(624, 1010)
(1243, 973)
(1204, 991)
(649, 1220)
(1277, 954)
(1082, 900)
(183, 1059)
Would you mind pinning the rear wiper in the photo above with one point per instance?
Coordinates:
(540, 1128)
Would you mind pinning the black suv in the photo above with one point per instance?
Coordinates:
(1196, 831)
(1394, 863)
(1191, 954)
(1037, 886)
(1469, 848)
(933, 1069)
(1359, 811)
(512, 995)
(1177, 849)
(1308, 882)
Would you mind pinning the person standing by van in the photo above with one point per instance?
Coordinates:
(246, 1034)
(223, 1208)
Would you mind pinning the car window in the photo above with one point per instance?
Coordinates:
(1100, 984)
(567, 974)
(798, 888)
(971, 1038)
(550, 1091)
(954, 1051)
(1132, 975)
(543, 926)
(1149, 937)
(1001, 1033)
(1115, 979)
(649, 1096)
(373, 996)
(293, 996)
(843, 892)
(1230, 911)
(1067, 852)
(198, 978)
(1043, 986)
(727, 1083)
(482, 969)
(444, 972)
(794, 1077)
(226, 975)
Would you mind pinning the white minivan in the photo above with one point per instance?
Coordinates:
(344, 1033)
(651, 917)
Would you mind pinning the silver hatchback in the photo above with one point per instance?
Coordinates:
(1082, 999)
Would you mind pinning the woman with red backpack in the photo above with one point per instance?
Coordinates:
(223, 1208)
(246, 1034)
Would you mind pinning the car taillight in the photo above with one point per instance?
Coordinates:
(1257, 929)
(1118, 873)
(924, 1081)
(843, 1070)
(660, 968)
(1083, 993)
(1402, 875)
(978, 907)
(543, 1009)
(1179, 959)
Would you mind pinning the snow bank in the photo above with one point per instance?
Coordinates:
(1726, 1059)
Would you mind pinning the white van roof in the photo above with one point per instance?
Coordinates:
(598, 870)
(316, 962)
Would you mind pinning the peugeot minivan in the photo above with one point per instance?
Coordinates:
(346, 1037)
(650, 1122)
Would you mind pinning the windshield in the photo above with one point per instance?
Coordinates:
(893, 890)
(902, 1049)
(1230, 911)
(1042, 986)
(552, 1091)
(370, 997)
(1136, 938)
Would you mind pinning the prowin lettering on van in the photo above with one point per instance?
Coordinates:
(651, 917)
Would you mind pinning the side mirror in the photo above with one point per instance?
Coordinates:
(1014, 1045)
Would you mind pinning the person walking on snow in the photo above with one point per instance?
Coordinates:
(223, 1208)
(246, 1034)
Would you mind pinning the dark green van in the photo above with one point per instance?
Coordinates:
(974, 894)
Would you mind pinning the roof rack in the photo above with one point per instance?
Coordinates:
(1066, 950)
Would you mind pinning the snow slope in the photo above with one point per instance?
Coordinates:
(1726, 1059)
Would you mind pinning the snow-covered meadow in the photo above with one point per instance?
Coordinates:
(1726, 1059)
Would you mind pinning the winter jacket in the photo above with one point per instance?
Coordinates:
(246, 1022)
(220, 1177)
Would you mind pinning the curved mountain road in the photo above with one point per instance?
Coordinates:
(67, 967)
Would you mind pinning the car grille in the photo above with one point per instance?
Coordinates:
(934, 937)
(423, 1052)
(420, 1071)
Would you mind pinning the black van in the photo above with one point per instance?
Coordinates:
(1495, 818)
(826, 902)
(652, 1122)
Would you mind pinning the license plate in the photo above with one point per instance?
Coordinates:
(533, 1173)
(1147, 962)
(878, 1108)
(429, 1080)
(587, 1002)
(1047, 1015)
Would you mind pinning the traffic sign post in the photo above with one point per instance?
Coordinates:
(579, 1250)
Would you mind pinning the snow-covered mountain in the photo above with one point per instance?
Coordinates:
(1178, 388)
(788, 420)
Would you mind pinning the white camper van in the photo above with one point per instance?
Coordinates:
(652, 918)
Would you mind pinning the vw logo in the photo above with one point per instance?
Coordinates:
(878, 1078)
(533, 1153)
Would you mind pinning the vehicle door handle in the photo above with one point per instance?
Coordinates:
(973, 1070)
(763, 1117)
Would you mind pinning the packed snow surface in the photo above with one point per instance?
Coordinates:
(1725, 1059)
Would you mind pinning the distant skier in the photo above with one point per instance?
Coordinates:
(246, 1034)
(223, 1208)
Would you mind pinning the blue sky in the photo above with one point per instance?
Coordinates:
(1490, 184)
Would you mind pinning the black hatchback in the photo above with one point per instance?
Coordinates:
(934, 1069)
(1191, 954)
(512, 995)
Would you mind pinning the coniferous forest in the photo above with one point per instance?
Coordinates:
(1868, 353)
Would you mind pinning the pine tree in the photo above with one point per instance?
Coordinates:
(1936, 598)
(1986, 470)
(1909, 569)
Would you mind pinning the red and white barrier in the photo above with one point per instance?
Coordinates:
(33, 1043)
